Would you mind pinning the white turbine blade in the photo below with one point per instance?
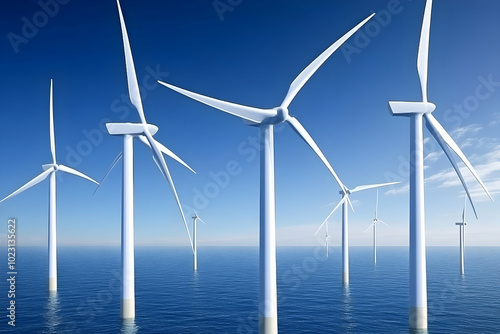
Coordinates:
(75, 172)
(447, 151)
(371, 186)
(31, 183)
(463, 212)
(118, 157)
(254, 115)
(334, 209)
(369, 227)
(376, 206)
(304, 76)
(323, 223)
(423, 50)
(383, 222)
(52, 136)
(439, 130)
(201, 221)
(133, 87)
(164, 150)
(301, 131)
(166, 173)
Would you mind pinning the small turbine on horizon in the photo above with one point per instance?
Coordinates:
(266, 119)
(195, 243)
(462, 239)
(345, 224)
(50, 170)
(374, 225)
(327, 236)
(417, 111)
(144, 132)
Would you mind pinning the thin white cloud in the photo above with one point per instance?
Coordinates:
(398, 190)
(470, 129)
(433, 156)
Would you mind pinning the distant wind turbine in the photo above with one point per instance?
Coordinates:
(417, 111)
(462, 240)
(345, 224)
(50, 171)
(374, 225)
(195, 243)
(327, 236)
(266, 119)
(144, 132)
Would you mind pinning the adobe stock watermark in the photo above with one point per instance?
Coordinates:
(121, 107)
(223, 6)
(30, 27)
(363, 37)
(248, 150)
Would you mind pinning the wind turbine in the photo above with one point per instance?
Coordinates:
(266, 119)
(195, 245)
(374, 225)
(50, 170)
(462, 240)
(326, 235)
(144, 132)
(345, 224)
(417, 111)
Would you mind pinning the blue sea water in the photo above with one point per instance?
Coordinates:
(222, 297)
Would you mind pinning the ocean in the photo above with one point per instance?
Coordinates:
(222, 296)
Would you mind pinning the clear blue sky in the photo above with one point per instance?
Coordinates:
(248, 54)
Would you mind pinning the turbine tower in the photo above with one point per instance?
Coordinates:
(417, 111)
(462, 240)
(374, 225)
(50, 170)
(266, 119)
(195, 243)
(345, 224)
(144, 132)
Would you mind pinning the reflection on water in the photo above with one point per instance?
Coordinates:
(419, 331)
(129, 326)
(347, 309)
(52, 312)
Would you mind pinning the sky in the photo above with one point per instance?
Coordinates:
(247, 52)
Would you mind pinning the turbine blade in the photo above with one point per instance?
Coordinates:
(441, 132)
(301, 131)
(447, 151)
(369, 227)
(255, 115)
(133, 87)
(31, 183)
(75, 172)
(423, 50)
(463, 212)
(52, 136)
(376, 206)
(334, 209)
(201, 221)
(304, 76)
(159, 158)
(115, 161)
(371, 186)
(383, 223)
(164, 150)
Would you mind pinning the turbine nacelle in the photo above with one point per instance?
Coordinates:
(460, 223)
(402, 108)
(120, 129)
(49, 166)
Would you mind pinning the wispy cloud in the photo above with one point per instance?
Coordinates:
(398, 190)
(496, 119)
(433, 156)
(469, 130)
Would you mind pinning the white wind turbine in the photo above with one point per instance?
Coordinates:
(50, 170)
(266, 119)
(462, 240)
(144, 132)
(195, 243)
(327, 236)
(374, 225)
(345, 224)
(417, 111)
